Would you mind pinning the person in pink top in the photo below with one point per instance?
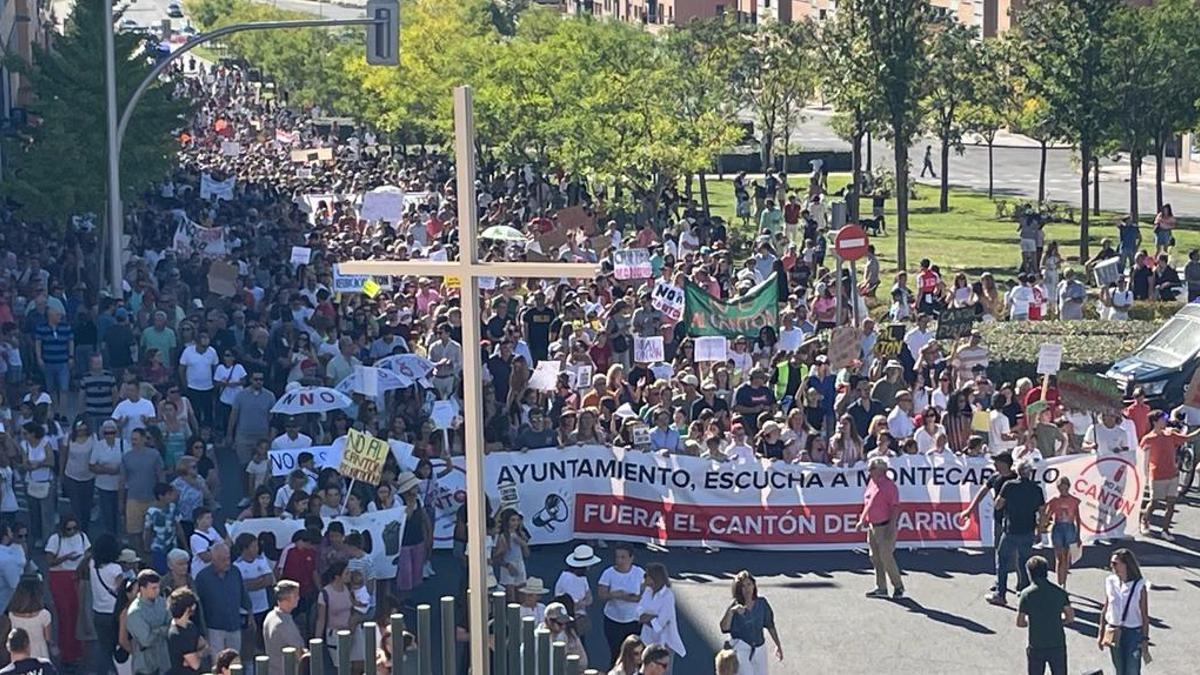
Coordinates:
(881, 509)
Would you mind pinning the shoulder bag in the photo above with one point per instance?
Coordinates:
(1112, 634)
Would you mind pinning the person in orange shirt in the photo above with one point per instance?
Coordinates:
(1139, 413)
(1064, 511)
(1160, 446)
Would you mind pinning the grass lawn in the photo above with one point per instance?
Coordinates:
(969, 237)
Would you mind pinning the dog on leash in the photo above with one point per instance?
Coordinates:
(874, 226)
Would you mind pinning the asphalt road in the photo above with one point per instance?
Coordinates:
(945, 627)
(152, 12)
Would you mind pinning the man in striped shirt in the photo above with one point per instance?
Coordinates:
(55, 348)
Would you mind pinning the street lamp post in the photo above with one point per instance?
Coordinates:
(383, 48)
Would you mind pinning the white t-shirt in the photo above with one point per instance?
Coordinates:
(234, 376)
(573, 585)
(1107, 439)
(138, 413)
(622, 611)
(283, 442)
(36, 454)
(106, 583)
(108, 456)
(998, 426)
(252, 570)
(201, 541)
(1121, 594)
(60, 546)
(8, 497)
(199, 367)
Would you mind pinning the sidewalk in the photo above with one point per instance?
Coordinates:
(1120, 172)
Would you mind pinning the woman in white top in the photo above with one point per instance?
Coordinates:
(105, 576)
(574, 582)
(1118, 300)
(620, 587)
(27, 611)
(203, 537)
(1126, 608)
(656, 612)
(75, 472)
(64, 551)
(928, 430)
(38, 455)
(228, 378)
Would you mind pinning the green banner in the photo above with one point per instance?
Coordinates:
(705, 315)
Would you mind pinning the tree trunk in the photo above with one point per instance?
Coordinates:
(944, 202)
(901, 158)
(1160, 155)
(1095, 186)
(991, 177)
(870, 167)
(1133, 186)
(1085, 154)
(687, 187)
(855, 178)
(704, 193)
(1042, 175)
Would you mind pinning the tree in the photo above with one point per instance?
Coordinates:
(845, 83)
(779, 82)
(708, 70)
(1065, 66)
(955, 56)
(896, 50)
(60, 167)
(992, 102)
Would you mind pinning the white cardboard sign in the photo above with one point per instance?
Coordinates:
(648, 350)
(301, 255)
(632, 263)
(1049, 359)
(669, 300)
(712, 348)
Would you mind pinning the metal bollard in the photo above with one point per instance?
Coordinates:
(573, 663)
(398, 655)
(558, 658)
(500, 635)
(512, 625)
(262, 665)
(542, 638)
(316, 656)
(291, 659)
(345, 642)
(528, 648)
(370, 646)
(449, 637)
(425, 640)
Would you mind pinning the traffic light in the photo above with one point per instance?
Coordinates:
(383, 37)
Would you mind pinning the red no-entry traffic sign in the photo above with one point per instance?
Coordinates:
(850, 242)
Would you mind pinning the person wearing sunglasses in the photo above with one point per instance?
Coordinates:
(656, 660)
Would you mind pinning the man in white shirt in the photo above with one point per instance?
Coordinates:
(900, 422)
(1108, 436)
(620, 588)
(918, 336)
(133, 412)
(295, 482)
(291, 438)
(196, 364)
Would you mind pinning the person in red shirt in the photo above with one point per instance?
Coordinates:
(298, 562)
(1160, 446)
(881, 510)
(1139, 413)
(1035, 394)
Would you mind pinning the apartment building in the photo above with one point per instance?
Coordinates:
(989, 16)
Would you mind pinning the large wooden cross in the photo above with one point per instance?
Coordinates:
(469, 270)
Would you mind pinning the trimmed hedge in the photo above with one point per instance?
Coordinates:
(1089, 346)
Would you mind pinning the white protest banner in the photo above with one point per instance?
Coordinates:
(1049, 359)
(220, 189)
(383, 203)
(381, 531)
(403, 452)
(304, 172)
(545, 375)
(286, 138)
(669, 300)
(632, 263)
(366, 380)
(582, 377)
(1107, 272)
(231, 148)
(416, 198)
(443, 414)
(301, 255)
(648, 350)
(192, 238)
(284, 461)
(712, 348)
(353, 283)
(676, 500)
(309, 155)
(487, 283)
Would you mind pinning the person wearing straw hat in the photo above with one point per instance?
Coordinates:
(411, 560)
(530, 597)
(562, 628)
(574, 582)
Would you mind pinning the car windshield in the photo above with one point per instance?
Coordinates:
(1176, 342)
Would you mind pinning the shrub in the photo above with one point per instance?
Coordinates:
(1089, 346)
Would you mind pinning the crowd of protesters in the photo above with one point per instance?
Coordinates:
(126, 406)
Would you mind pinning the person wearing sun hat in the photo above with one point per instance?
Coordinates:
(574, 582)
(530, 598)
(410, 563)
(563, 628)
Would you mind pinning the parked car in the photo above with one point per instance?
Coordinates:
(175, 10)
(1164, 364)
